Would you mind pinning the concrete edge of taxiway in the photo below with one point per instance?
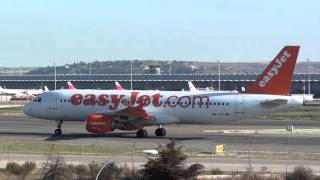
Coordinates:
(278, 167)
(9, 106)
(315, 132)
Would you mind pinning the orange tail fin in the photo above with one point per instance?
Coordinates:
(70, 85)
(276, 78)
(118, 86)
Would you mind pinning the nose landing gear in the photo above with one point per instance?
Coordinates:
(58, 131)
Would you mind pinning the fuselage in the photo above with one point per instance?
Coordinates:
(21, 91)
(183, 106)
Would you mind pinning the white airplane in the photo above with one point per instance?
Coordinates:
(192, 88)
(23, 92)
(106, 110)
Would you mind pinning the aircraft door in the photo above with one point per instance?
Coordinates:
(53, 104)
(239, 104)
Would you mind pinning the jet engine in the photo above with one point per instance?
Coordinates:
(99, 124)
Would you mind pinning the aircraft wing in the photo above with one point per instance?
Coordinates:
(273, 103)
(135, 112)
(136, 116)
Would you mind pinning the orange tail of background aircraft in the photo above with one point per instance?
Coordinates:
(276, 78)
(70, 85)
(118, 86)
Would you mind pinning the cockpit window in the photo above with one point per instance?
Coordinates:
(37, 99)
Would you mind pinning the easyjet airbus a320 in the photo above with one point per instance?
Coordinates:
(107, 110)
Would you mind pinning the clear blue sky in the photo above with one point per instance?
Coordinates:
(38, 32)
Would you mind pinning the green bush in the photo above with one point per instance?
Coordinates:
(216, 171)
(300, 173)
(28, 167)
(14, 168)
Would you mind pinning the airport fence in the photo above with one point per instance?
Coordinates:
(108, 150)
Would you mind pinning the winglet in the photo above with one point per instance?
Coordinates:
(276, 78)
(118, 86)
(70, 85)
(46, 89)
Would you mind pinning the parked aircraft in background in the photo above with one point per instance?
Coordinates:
(106, 110)
(191, 87)
(23, 92)
(118, 86)
(70, 85)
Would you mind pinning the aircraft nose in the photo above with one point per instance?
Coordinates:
(27, 109)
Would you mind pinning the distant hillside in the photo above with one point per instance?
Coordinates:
(142, 67)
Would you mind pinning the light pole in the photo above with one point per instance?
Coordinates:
(90, 68)
(131, 74)
(287, 157)
(55, 76)
(219, 69)
(133, 150)
(250, 165)
(308, 60)
(170, 67)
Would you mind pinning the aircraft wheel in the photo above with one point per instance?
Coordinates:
(58, 132)
(142, 133)
(160, 132)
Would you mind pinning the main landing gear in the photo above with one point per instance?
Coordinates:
(142, 133)
(160, 131)
(58, 131)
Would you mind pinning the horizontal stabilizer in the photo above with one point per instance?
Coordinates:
(273, 103)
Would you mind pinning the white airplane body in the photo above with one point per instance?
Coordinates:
(21, 92)
(175, 106)
(107, 110)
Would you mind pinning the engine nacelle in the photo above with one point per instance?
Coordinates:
(99, 124)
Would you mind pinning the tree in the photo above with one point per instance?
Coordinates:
(56, 169)
(170, 165)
